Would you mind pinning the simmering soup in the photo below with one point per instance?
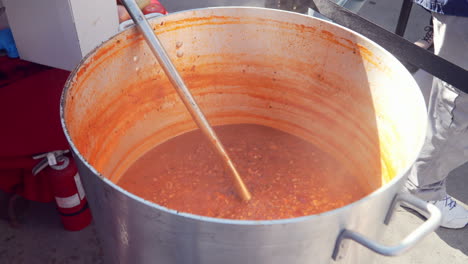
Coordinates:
(287, 176)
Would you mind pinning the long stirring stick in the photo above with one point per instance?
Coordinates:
(184, 93)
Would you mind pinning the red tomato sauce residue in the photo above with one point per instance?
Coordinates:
(287, 176)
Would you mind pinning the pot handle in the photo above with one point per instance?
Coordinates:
(431, 224)
(126, 24)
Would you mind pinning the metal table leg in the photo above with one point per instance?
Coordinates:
(403, 18)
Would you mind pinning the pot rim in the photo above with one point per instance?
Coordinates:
(130, 195)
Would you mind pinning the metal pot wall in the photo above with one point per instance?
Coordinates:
(299, 6)
(292, 72)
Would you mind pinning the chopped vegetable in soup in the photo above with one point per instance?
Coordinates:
(287, 176)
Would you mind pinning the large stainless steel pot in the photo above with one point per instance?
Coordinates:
(308, 77)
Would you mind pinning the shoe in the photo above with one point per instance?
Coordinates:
(454, 216)
(428, 40)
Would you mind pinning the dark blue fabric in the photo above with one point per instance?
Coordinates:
(8, 43)
(446, 7)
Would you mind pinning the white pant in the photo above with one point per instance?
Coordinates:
(446, 145)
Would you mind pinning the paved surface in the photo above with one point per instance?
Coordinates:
(41, 239)
(443, 246)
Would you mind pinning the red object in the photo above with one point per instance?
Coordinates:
(12, 70)
(69, 194)
(30, 122)
(154, 7)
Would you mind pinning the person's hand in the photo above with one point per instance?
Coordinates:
(140, 3)
(147, 7)
(154, 7)
(123, 14)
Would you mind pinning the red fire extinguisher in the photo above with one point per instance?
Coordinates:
(67, 189)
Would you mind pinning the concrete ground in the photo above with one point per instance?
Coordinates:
(41, 239)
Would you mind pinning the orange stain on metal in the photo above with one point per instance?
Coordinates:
(285, 92)
(365, 53)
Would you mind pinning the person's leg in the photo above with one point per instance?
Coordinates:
(436, 160)
(447, 136)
